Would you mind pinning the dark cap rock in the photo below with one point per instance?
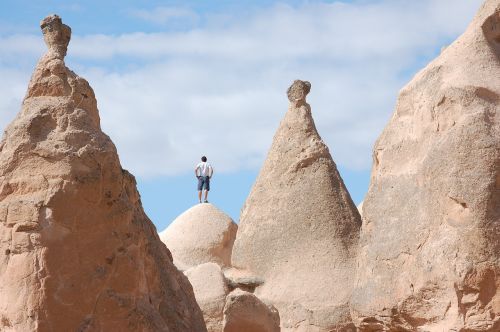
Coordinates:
(298, 90)
(56, 34)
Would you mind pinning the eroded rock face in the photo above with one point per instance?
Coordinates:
(244, 312)
(201, 234)
(299, 227)
(77, 252)
(430, 239)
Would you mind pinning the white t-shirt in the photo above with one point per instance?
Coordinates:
(204, 169)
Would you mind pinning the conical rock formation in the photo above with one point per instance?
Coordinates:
(430, 257)
(77, 252)
(299, 227)
(200, 235)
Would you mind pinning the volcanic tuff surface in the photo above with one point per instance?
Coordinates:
(244, 312)
(299, 227)
(210, 289)
(201, 234)
(77, 252)
(201, 240)
(430, 245)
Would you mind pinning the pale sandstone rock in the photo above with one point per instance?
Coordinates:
(430, 245)
(299, 227)
(77, 252)
(210, 290)
(360, 208)
(201, 234)
(242, 279)
(244, 312)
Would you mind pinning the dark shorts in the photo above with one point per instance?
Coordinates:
(203, 183)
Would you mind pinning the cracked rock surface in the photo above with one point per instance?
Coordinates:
(210, 289)
(244, 312)
(430, 248)
(77, 251)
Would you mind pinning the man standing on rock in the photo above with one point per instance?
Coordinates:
(203, 172)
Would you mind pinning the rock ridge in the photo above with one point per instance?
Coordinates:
(430, 254)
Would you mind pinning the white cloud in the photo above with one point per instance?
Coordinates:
(163, 15)
(167, 98)
(17, 46)
(13, 85)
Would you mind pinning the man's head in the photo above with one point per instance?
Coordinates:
(204, 159)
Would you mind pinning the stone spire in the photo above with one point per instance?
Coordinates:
(299, 227)
(77, 251)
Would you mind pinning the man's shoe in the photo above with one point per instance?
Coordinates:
(206, 201)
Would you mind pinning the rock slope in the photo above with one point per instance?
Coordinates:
(430, 246)
(77, 252)
(299, 227)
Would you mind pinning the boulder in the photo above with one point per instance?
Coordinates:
(299, 227)
(200, 235)
(244, 312)
(242, 279)
(210, 290)
(77, 251)
(430, 244)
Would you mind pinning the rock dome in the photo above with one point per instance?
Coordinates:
(200, 235)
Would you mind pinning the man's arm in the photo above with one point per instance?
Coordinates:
(211, 171)
(196, 171)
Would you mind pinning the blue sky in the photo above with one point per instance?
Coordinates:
(176, 80)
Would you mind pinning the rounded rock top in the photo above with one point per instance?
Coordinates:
(201, 234)
(298, 90)
(56, 35)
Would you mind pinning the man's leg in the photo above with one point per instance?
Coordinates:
(200, 187)
(207, 188)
